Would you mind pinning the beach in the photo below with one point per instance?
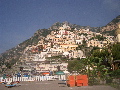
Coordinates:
(53, 85)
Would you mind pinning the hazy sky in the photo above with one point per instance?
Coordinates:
(20, 19)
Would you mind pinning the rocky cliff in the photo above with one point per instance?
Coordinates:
(111, 26)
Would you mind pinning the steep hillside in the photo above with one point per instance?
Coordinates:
(11, 56)
(110, 28)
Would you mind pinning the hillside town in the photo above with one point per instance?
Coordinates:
(62, 42)
(61, 52)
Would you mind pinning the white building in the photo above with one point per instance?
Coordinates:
(51, 67)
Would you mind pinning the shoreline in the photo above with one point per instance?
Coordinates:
(53, 85)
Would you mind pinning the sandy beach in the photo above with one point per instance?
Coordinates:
(53, 85)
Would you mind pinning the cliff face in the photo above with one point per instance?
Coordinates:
(111, 27)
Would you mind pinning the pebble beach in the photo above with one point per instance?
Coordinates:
(52, 85)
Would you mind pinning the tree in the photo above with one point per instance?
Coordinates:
(76, 65)
(100, 38)
(105, 55)
(94, 48)
(115, 50)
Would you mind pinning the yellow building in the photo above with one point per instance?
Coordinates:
(95, 43)
(68, 47)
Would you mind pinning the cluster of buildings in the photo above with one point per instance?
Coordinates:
(62, 42)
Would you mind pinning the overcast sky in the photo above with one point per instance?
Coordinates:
(20, 19)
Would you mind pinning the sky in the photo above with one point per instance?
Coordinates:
(20, 19)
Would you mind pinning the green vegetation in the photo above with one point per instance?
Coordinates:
(85, 34)
(116, 73)
(98, 65)
(76, 65)
(115, 50)
(112, 33)
(98, 37)
(59, 58)
(44, 32)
